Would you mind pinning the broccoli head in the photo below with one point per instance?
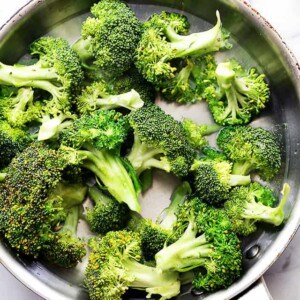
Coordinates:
(251, 149)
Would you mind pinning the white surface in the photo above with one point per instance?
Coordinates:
(283, 277)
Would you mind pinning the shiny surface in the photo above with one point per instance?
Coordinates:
(268, 53)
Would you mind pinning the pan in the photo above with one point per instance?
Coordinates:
(256, 44)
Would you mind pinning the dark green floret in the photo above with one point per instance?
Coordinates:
(65, 249)
(159, 142)
(239, 95)
(109, 38)
(115, 266)
(251, 149)
(107, 214)
(164, 39)
(255, 203)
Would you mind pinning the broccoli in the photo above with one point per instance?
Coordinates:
(115, 266)
(96, 96)
(154, 235)
(239, 94)
(94, 140)
(208, 246)
(109, 38)
(196, 132)
(57, 71)
(12, 141)
(254, 203)
(29, 211)
(65, 249)
(162, 41)
(107, 214)
(159, 142)
(251, 149)
(212, 179)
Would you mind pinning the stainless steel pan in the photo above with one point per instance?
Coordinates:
(256, 43)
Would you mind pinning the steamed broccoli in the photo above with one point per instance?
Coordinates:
(163, 40)
(107, 214)
(254, 203)
(109, 38)
(159, 142)
(251, 149)
(12, 141)
(115, 266)
(94, 140)
(208, 247)
(65, 249)
(239, 94)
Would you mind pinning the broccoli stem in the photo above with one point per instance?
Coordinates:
(71, 222)
(108, 167)
(82, 48)
(169, 215)
(187, 253)
(142, 157)
(2, 176)
(273, 215)
(98, 197)
(147, 278)
(196, 44)
(239, 180)
(242, 168)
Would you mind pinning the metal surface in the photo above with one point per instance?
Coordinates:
(255, 43)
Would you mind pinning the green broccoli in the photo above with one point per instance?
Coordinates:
(65, 249)
(12, 141)
(109, 38)
(254, 203)
(251, 149)
(196, 132)
(115, 266)
(208, 246)
(238, 96)
(162, 41)
(159, 142)
(107, 214)
(95, 140)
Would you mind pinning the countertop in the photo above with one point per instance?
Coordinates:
(283, 277)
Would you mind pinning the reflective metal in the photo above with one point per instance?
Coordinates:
(256, 43)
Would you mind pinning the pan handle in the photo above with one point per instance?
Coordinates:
(258, 291)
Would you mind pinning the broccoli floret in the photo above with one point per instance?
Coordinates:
(107, 214)
(154, 235)
(57, 71)
(12, 141)
(212, 180)
(162, 41)
(159, 142)
(94, 140)
(254, 203)
(109, 38)
(65, 249)
(239, 94)
(97, 96)
(196, 132)
(208, 246)
(114, 267)
(29, 211)
(251, 149)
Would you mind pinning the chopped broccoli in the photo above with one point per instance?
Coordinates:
(65, 249)
(12, 141)
(109, 38)
(251, 149)
(196, 132)
(159, 142)
(114, 267)
(94, 140)
(254, 203)
(208, 246)
(239, 94)
(162, 41)
(107, 214)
